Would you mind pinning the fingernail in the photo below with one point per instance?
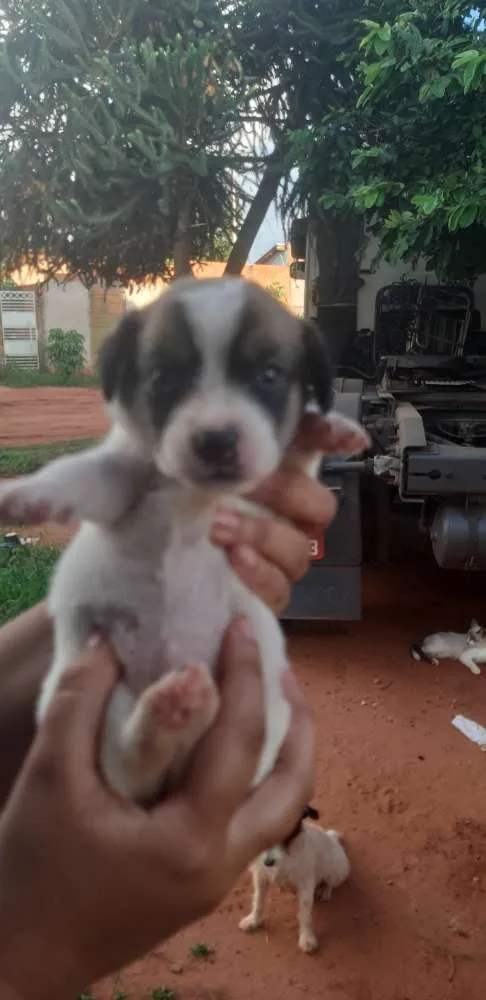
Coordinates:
(246, 556)
(245, 628)
(222, 535)
(94, 640)
(290, 687)
(227, 519)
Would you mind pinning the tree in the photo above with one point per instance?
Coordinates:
(413, 148)
(122, 125)
(118, 134)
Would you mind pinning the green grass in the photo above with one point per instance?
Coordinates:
(29, 458)
(20, 378)
(162, 993)
(24, 576)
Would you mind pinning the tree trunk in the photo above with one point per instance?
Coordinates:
(183, 243)
(257, 211)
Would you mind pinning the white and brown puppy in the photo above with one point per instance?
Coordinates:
(205, 388)
(311, 862)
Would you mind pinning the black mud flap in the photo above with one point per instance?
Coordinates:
(331, 590)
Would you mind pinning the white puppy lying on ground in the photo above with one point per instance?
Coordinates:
(312, 862)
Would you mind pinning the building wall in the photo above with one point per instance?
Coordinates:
(105, 309)
(271, 276)
(67, 306)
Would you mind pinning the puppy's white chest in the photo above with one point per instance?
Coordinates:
(195, 591)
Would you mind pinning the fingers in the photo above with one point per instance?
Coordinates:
(267, 554)
(276, 541)
(293, 495)
(227, 758)
(68, 734)
(274, 808)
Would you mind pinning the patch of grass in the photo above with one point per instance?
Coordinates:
(162, 993)
(29, 458)
(20, 378)
(24, 577)
(200, 950)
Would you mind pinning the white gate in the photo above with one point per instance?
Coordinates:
(19, 328)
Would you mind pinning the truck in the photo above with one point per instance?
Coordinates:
(409, 353)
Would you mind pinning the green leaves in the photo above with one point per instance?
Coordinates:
(470, 66)
(462, 216)
(417, 135)
(427, 203)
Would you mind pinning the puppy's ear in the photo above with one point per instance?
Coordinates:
(311, 813)
(317, 373)
(474, 624)
(117, 359)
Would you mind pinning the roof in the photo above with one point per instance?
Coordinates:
(275, 250)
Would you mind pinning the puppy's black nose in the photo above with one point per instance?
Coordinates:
(269, 862)
(217, 447)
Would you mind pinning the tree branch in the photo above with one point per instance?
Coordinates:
(266, 192)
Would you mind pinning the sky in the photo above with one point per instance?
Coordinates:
(271, 232)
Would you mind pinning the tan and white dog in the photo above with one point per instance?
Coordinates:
(205, 388)
(311, 862)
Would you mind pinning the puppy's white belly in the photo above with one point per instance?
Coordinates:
(160, 612)
(163, 595)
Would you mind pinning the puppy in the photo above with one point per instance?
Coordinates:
(467, 647)
(312, 862)
(205, 388)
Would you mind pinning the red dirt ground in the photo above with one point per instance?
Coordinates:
(406, 789)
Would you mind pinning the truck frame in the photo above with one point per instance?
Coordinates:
(410, 361)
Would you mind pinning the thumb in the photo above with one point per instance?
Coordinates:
(71, 724)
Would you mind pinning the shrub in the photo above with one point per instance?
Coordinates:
(276, 290)
(65, 351)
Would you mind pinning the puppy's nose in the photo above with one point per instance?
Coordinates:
(269, 862)
(217, 446)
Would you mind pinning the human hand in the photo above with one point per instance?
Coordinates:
(271, 553)
(90, 882)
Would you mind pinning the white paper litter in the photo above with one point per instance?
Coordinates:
(472, 730)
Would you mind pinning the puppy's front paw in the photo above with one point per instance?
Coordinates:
(20, 504)
(308, 942)
(344, 435)
(250, 923)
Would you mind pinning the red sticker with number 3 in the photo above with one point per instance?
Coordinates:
(316, 547)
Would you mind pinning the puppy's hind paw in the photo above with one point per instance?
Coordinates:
(308, 942)
(183, 698)
(250, 923)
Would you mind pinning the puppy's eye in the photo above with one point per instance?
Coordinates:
(270, 376)
(168, 381)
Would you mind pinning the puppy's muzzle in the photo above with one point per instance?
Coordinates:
(217, 449)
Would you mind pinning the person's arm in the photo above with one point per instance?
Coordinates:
(25, 653)
(89, 882)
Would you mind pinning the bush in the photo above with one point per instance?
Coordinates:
(27, 378)
(65, 351)
(276, 290)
